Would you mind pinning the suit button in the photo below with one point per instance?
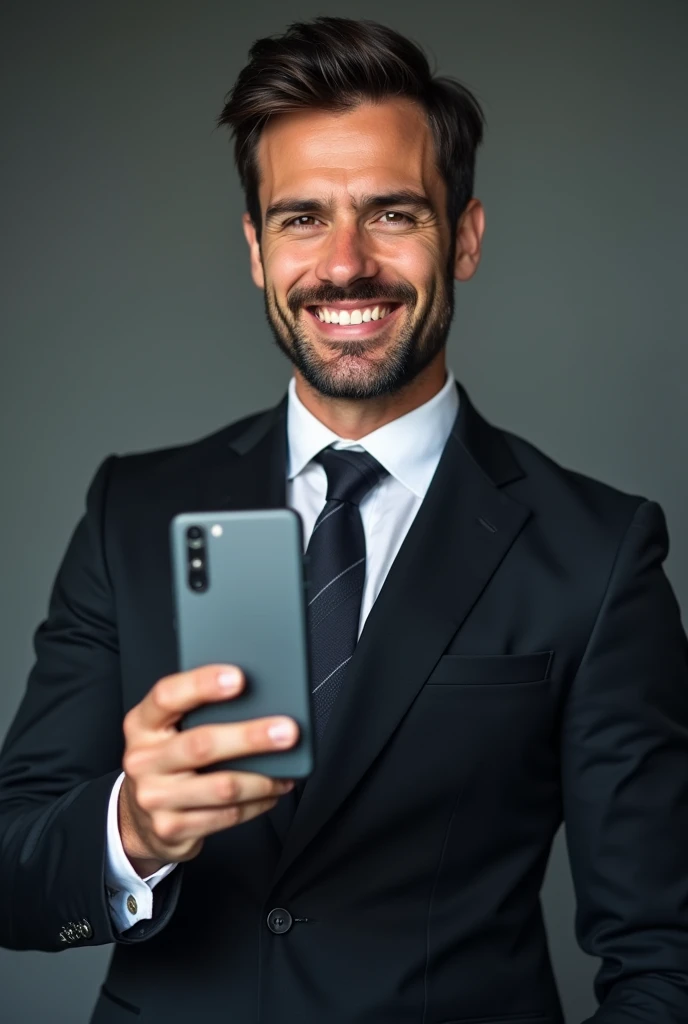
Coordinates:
(85, 929)
(279, 921)
(132, 905)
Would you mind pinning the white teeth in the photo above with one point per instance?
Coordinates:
(353, 316)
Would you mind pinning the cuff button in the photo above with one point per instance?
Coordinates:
(132, 905)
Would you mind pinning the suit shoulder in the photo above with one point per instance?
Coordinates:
(576, 500)
(170, 462)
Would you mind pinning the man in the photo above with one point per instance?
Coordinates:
(511, 652)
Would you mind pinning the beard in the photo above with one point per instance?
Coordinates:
(420, 336)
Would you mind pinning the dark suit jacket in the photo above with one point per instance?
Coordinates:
(524, 660)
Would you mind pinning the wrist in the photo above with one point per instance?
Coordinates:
(143, 861)
(144, 866)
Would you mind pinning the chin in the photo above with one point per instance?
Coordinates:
(350, 377)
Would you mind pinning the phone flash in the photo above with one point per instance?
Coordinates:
(216, 530)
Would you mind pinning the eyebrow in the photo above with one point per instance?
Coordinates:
(402, 197)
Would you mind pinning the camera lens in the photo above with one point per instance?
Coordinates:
(193, 532)
(198, 580)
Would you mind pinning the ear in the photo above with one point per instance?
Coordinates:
(469, 235)
(254, 249)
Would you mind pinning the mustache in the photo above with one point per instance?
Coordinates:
(363, 291)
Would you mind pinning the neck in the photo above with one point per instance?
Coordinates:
(354, 418)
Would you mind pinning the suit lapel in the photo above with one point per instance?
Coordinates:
(463, 529)
(256, 475)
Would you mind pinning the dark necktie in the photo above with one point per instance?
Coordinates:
(337, 562)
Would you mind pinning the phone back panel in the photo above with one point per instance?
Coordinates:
(252, 615)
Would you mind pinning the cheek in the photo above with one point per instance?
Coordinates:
(285, 268)
(418, 261)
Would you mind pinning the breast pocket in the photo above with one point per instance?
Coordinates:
(112, 1009)
(491, 669)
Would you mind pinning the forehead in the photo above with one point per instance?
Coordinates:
(374, 145)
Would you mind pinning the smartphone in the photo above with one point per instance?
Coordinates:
(239, 596)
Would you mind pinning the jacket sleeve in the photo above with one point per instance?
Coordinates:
(61, 758)
(625, 784)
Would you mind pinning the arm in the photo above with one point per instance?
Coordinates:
(62, 756)
(625, 784)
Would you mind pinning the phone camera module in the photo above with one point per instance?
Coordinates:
(195, 556)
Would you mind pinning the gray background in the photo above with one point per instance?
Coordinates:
(129, 320)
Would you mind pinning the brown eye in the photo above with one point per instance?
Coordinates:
(399, 218)
(304, 221)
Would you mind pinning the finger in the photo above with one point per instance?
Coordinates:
(206, 744)
(172, 696)
(217, 789)
(179, 827)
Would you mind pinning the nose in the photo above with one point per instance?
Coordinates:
(345, 257)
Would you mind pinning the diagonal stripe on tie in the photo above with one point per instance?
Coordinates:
(337, 577)
(346, 588)
(321, 518)
(327, 678)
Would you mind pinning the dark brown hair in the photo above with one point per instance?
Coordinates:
(335, 64)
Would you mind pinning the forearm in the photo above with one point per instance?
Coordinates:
(52, 895)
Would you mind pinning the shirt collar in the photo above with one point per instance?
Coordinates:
(409, 447)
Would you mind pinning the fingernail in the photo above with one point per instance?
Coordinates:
(229, 680)
(282, 733)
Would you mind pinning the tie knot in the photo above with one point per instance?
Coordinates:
(350, 474)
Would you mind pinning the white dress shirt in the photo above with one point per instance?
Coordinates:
(409, 448)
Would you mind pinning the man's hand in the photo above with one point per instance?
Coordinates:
(166, 807)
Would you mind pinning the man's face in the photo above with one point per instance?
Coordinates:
(356, 257)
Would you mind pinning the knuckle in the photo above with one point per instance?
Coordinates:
(146, 798)
(165, 826)
(161, 695)
(133, 763)
(228, 787)
(253, 735)
(199, 745)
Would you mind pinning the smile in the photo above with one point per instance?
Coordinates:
(351, 321)
(333, 315)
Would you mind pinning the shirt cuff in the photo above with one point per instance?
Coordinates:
(130, 896)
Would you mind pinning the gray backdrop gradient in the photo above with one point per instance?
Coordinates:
(129, 320)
